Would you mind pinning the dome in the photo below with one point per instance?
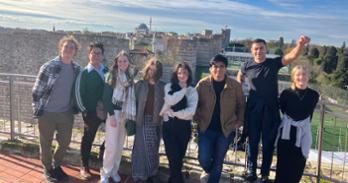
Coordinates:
(143, 26)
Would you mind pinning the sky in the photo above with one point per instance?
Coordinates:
(325, 21)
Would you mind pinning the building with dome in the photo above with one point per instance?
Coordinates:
(142, 29)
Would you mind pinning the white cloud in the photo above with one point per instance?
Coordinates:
(287, 3)
(180, 15)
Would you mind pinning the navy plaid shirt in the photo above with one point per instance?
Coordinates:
(45, 80)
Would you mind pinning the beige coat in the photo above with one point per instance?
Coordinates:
(232, 105)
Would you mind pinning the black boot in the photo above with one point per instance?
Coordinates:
(50, 176)
(61, 175)
(250, 177)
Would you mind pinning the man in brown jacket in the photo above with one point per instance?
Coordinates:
(219, 112)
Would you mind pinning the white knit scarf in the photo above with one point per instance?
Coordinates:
(124, 93)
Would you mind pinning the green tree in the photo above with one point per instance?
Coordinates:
(323, 51)
(329, 63)
(340, 77)
(278, 51)
(343, 46)
(314, 52)
(342, 60)
(281, 43)
(341, 50)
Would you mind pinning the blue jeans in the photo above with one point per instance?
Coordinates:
(262, 121)
(212, 148)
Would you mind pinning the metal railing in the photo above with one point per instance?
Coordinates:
(329, 119)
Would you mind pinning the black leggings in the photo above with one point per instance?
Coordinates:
(176, 135)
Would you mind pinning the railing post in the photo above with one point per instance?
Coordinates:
(11, 108)
(320, 146)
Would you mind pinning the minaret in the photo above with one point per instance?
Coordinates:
(150, 24)
(154, 42)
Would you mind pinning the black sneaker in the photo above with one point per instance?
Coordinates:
(250, 177)
(150, 180)
(264, 179)
(61, 175)
(50, 176)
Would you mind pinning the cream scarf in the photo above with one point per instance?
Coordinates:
(124, 94)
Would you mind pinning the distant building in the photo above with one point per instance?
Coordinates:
(142, 29)
(226, 35)
(141, 51)
(236, 59)
(207, 33)
(243, 56)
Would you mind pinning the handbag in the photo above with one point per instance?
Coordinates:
(101, 110)
(130, 127)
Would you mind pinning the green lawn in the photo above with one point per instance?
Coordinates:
(335, 132)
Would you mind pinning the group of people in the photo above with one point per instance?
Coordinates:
(159, 110)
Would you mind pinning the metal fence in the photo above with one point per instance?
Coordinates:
(329, 129)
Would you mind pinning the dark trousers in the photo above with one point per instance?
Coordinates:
(290, 160)
(176, 135)
(212, 148)
(262, 121)
(91, 125)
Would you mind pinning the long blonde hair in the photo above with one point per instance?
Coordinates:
(296, 69)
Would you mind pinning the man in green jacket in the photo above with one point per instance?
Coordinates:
(89, 90)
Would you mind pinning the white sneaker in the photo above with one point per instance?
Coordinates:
(104, 179)
(204, 177)
(116, 177)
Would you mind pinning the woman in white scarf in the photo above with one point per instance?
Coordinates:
(119, 100)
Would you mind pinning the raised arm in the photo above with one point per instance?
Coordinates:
(295, 52)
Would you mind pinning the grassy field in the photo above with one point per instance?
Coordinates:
(335, 132)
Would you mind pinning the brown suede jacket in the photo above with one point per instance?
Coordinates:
(232, 104)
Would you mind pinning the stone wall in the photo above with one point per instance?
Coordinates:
(206, 49)
(24, 51)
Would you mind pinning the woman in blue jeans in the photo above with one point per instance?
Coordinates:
(180, 104)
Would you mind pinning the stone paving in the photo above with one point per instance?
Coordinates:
(19, 169)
